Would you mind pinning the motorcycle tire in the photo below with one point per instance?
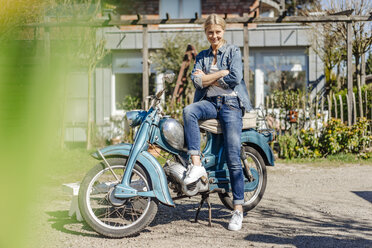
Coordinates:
(252, 198)
(110, 216)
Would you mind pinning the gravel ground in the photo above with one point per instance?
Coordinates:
(303, 206)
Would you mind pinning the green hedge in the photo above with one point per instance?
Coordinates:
(335, 138)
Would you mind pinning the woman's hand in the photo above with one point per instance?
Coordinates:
(224, 72)
(199, 72)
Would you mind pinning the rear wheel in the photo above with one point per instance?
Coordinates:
(254, 189)
(111, 216)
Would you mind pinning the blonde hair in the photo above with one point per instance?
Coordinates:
(214, 19)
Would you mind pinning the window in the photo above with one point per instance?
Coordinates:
(126, 78)
(284, 72)
(179, 8)
(123, 85)
(285, 69)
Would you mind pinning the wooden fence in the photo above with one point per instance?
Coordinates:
(306, 113)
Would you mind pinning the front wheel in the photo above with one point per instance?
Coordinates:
(110, 216)
(256, 188)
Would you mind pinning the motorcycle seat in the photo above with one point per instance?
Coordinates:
(214, 126)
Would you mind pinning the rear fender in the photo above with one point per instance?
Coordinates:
(259, 142)
(151, 165)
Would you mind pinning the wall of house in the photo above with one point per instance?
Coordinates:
(76, 107)
(263, 36)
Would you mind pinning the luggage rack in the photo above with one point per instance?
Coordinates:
(262, 126)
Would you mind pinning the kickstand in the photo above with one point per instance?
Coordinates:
(205, 198)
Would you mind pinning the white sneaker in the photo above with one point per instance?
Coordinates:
(236, 220)
(194, 174)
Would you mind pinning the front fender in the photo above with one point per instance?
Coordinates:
(152, 166)
(260, 143)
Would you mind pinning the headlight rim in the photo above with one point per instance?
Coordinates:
(135, 117)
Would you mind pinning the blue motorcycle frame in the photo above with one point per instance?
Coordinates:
(213, 159)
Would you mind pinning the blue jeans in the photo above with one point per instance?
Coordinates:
(227, 110)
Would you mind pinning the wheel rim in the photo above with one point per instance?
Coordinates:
(251, 196)
(116, 217)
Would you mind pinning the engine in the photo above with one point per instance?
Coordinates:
(176, 174)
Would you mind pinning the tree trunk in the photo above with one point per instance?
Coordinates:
(363, 70)
(338, 78)
(349, 74)
(62, 141)
(145, 67)
(328, 78)
(89, 124)
(357, 64)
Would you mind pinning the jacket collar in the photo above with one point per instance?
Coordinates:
(222, 49)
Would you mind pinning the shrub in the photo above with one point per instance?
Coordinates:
(334, 138)
(287, 144)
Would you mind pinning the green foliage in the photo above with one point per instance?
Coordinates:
(14, 13)
(308, 145)
(338, 159)
(131, 102)
(82, 46)
(174, 47)
(335, 138)
(287, 99)
(287, 145)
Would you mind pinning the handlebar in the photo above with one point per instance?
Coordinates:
(155, 99)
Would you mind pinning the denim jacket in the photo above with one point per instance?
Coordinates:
(228, 58)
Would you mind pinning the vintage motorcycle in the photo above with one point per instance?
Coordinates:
(119, 196)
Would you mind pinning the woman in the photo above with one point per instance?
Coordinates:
(220, 93)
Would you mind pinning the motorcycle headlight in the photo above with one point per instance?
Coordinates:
(135, 117)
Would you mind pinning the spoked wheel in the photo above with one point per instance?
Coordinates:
(111, 216)
(255, 189)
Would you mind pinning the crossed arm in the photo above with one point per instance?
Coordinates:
(210, 79)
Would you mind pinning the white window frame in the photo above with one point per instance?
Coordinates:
(114, 111)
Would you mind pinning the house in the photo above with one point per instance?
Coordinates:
(280, 55)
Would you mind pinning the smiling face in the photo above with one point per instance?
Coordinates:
(214, 35)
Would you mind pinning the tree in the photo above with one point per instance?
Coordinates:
(369, 64)
(362, 33)
(331, 48)
(331, 42)
(171, 57)
(301, 7)
(15, 13)
(83, 47)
